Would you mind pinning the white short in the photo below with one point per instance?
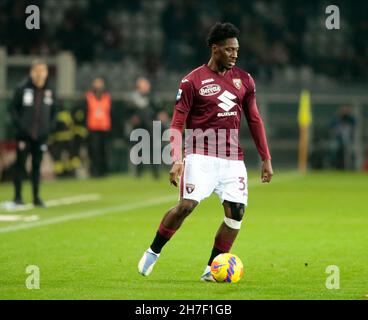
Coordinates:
(205, 174)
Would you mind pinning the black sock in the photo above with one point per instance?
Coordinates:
(214, 254)
(158, 243)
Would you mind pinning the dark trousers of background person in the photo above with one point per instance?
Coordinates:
(155, 168)
(75, 151)
(33, 147)
(97, 153)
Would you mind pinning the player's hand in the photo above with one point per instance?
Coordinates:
(176, 172)
(267, 171)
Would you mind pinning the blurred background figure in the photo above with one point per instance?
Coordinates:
(68, 142)
(144, 112)
(343, 133)
(78, 151)
(98, 114)
(142, 103)
(60, 143)
(32, 112)
(164, 117)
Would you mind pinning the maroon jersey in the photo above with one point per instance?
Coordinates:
(211, 104)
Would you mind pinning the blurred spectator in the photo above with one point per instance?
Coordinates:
(142, 103)
(99, 125)
(144, 112)
(343, 132)
(79, 143)
(164, 118)
(61, 142)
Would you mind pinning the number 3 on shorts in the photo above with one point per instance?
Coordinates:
(241, 181)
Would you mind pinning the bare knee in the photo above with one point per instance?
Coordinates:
(185, 207)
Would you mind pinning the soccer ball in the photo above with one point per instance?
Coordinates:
(227, 267)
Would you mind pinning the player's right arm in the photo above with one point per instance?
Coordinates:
(184, 102)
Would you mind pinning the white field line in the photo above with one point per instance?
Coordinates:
(72, 200)
(17, 217)
(87, 214)
(9, 206)
(123, 208)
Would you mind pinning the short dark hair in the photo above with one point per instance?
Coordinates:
(222, 31)
(37, 62)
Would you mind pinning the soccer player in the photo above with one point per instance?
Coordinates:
(210, 101)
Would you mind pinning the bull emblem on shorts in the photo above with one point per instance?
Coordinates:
(189, 187)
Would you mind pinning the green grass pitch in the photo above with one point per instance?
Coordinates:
(294, 228)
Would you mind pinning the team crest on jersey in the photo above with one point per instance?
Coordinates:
(237, 83)
(189, 187)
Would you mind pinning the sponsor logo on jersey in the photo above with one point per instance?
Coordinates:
(226, 99)
(209, 90)
(184, 80)
(28, 97)
(189, 187)
(227, 114)
(207, 81)
(237, 83)
(178, 95)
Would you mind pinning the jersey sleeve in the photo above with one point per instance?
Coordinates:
(185, 96)
(183, 104)
(254, 120)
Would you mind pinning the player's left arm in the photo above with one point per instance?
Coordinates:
(257, 130)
